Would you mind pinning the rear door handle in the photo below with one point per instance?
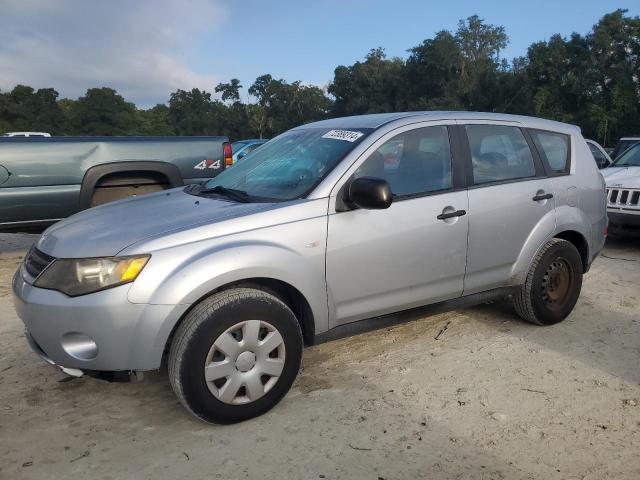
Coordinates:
(457, 213)
(543, 196)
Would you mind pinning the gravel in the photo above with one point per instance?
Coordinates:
(493, 398)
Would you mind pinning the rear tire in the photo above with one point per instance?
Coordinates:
(553, 284)
(235, 355)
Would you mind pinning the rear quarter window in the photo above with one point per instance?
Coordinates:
(554, 150)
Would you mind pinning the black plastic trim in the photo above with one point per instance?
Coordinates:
(95, 173)
(459, 152)
(457, 213)
(540, 166)
(545, 196)
(383, 321)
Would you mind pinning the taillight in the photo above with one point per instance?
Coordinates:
(228, 154)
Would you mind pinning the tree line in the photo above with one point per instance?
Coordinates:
(591, 80)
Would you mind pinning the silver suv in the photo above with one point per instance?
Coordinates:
(328, 229)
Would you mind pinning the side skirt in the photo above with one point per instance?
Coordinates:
(391, 319)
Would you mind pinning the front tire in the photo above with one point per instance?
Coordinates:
(553, 284)
(235, 355)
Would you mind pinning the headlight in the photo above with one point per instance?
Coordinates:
(87, 275)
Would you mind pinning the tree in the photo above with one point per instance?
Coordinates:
(615, 56)
(155, 121)
(591, 79)
(433, 73)
(103, 112)
(230, 91)
(376, 85)
(480, 45)
(192, 113)
(284, 105)
(24, 109)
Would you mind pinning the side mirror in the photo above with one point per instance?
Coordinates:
(242, 155)
(370, 193)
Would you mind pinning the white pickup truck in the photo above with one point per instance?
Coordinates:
(623, 192)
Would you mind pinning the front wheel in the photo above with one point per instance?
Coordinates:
(553, 284)
(235, 355)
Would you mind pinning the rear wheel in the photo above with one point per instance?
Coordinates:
(235, 355)
(553, 284)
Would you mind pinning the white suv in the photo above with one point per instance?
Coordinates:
(623, 192)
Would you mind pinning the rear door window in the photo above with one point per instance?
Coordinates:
(499, 153)
(553, 148)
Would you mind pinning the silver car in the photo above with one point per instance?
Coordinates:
(330, 228)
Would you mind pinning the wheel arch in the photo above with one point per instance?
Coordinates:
(94, 175)
(580, 242)
(287, 293)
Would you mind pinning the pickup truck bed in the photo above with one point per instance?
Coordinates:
(43, 180)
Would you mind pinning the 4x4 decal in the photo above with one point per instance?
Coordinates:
(204, 164)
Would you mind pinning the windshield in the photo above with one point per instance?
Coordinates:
(622, 146)
(235, 146)
(630, 158)
(290, 165)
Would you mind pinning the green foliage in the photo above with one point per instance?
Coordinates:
(282, 105)
(376, 85)
(230, 91)
(103, 112)
(591, 80)
(155, 121)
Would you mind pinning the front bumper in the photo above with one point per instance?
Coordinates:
(74, 372)
(121, 335)
(623, 222)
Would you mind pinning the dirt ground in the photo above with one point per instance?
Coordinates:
(491, 398)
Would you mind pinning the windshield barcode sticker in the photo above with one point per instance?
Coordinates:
(346, 135)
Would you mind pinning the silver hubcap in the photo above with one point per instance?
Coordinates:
(245, 362)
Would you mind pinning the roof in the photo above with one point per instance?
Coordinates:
(377, 120)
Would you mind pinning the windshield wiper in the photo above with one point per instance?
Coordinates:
(232, 193)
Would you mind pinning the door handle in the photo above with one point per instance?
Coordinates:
(543, 196)
(457, 213)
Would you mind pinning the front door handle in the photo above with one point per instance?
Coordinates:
(543, 196)
(457, 213)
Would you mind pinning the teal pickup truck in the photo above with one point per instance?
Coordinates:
(43, 180)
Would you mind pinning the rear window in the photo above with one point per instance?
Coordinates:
(554, 148)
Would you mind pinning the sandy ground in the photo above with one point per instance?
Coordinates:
(492, 398)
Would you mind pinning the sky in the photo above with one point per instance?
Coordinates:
(146, 49)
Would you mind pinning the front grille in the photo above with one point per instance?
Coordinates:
(620, 197)
(36, 261)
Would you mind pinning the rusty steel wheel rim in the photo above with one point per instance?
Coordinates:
(557, 284)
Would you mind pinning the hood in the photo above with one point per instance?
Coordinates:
(108, 229)
(622, 177)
